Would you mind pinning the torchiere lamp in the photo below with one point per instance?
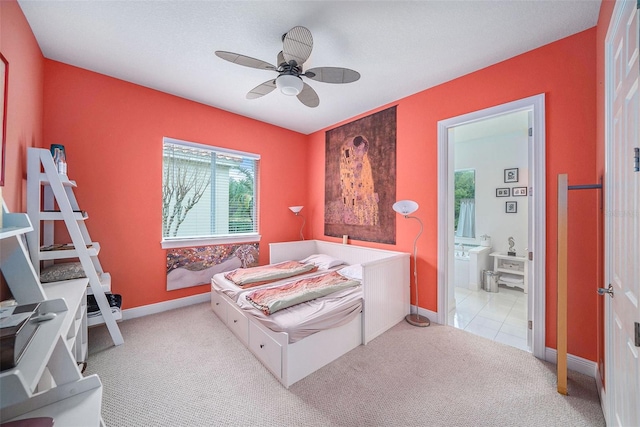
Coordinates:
(405, 208)
(296, 210)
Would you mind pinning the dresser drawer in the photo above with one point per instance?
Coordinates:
(266, 349)
(219, 306)
(238, 323)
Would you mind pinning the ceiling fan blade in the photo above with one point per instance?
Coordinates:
(280, 59)
(297, 45)
(246, 61)
(332, 75)
(308, 96)
(262, 89)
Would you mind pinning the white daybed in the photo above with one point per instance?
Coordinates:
(385, 290)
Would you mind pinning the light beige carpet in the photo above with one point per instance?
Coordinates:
(185, 368)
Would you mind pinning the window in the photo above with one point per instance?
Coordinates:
(465, 206)
(208, 193)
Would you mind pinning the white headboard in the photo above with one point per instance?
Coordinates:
(351, 254)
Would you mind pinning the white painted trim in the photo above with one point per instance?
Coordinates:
(574, 363)
(146, 310)
(536, 104)
(602, 392)
(608, 401)
(210, 241)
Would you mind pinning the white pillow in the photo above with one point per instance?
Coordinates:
(352, 271)
(322, 261)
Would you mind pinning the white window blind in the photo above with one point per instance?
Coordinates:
(208, 192)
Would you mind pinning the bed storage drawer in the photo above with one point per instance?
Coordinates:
(266, 349)
(238, 323)
(219, 305)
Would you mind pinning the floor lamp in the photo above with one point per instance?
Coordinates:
(296, 210)
(405, 208)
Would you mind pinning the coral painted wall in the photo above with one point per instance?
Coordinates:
(112, 132)
(565, 71)
(24, 103)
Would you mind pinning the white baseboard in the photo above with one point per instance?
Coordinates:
(602, 392)
(574, 363)
(431, 315)
(146, 310)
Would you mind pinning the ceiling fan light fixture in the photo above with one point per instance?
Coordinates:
(289, 84)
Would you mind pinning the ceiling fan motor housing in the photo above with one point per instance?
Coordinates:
(289, 84)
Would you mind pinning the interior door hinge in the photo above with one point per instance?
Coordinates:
(637, 333)
(530, 256)
(636, 156)
(530, 324)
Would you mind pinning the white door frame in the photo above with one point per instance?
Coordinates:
(607, 394)
(537, 190)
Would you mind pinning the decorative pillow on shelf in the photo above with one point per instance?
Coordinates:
(62, 271)
(322, 261)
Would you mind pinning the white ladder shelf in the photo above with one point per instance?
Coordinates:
(46, 381)
(46, 189)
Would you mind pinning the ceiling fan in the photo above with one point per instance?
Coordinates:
(296, 49)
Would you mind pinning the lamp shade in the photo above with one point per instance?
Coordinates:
(405, 207)
(295, 209)
(289, 85)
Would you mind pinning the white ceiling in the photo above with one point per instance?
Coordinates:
(398, 47)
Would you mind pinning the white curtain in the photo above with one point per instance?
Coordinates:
(467, 218)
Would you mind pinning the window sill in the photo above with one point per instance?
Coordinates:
(210, 241)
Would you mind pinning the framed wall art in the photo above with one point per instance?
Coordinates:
(511, 175)
(503, 192)
(519, 191)
(4, 83)
(360, 179)
(511, 207)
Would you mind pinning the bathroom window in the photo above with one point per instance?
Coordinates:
(465, 205)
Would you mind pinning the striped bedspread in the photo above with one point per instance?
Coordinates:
(270, 300)
(254, 276)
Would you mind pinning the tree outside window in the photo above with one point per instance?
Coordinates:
(207, 192)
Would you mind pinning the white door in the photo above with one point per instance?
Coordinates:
(622, 218)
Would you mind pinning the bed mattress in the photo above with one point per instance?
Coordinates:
(302, 320)
(223, 285)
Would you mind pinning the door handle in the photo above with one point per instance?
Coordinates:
(608, 290)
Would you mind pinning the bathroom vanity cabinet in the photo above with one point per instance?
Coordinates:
(513, 270)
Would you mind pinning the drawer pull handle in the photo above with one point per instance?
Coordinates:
(261, 345)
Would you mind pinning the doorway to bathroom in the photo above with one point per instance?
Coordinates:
(491, 193)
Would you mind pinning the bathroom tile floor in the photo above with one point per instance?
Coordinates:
(500, 316)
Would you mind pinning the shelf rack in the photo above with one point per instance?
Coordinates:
(46, 381)
(51, 198)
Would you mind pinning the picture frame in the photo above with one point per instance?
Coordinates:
(503, 192)
(4, 84)
(519, 191)
(511, 175)
(511, 207)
